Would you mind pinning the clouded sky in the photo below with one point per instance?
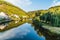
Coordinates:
(29, 5)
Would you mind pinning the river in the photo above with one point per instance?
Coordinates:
(23, 32)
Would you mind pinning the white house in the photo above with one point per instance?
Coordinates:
(3, 15)
(16, 16)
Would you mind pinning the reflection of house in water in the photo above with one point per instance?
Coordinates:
(2, 27)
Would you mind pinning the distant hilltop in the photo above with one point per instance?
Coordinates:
(54, 10)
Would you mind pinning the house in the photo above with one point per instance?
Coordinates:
(3, 15)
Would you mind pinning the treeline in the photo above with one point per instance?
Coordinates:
(50, 16)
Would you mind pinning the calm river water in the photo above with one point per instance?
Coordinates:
(23, 32)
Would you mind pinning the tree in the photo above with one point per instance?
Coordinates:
(37, 14)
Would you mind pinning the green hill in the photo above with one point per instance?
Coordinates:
(53, 10)
(12, 11)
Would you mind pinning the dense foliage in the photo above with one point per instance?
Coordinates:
(47, 22)
(50, 16)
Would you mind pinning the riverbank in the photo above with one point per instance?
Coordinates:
(12, 24)
(50, 33)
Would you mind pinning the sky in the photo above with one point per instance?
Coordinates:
(31, 5)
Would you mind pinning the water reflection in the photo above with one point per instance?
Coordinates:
(3, 25)
(10, 25)
(23, 32)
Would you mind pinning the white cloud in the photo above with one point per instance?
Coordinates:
(55, 3)
(20, 2)
(14, 33)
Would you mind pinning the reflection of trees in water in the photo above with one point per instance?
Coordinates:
(48, 35)
(44, 19)
(3, 24)
(12, 24)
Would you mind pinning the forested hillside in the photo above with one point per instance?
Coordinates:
(47, 22)
(12, 11)
(51, 16)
